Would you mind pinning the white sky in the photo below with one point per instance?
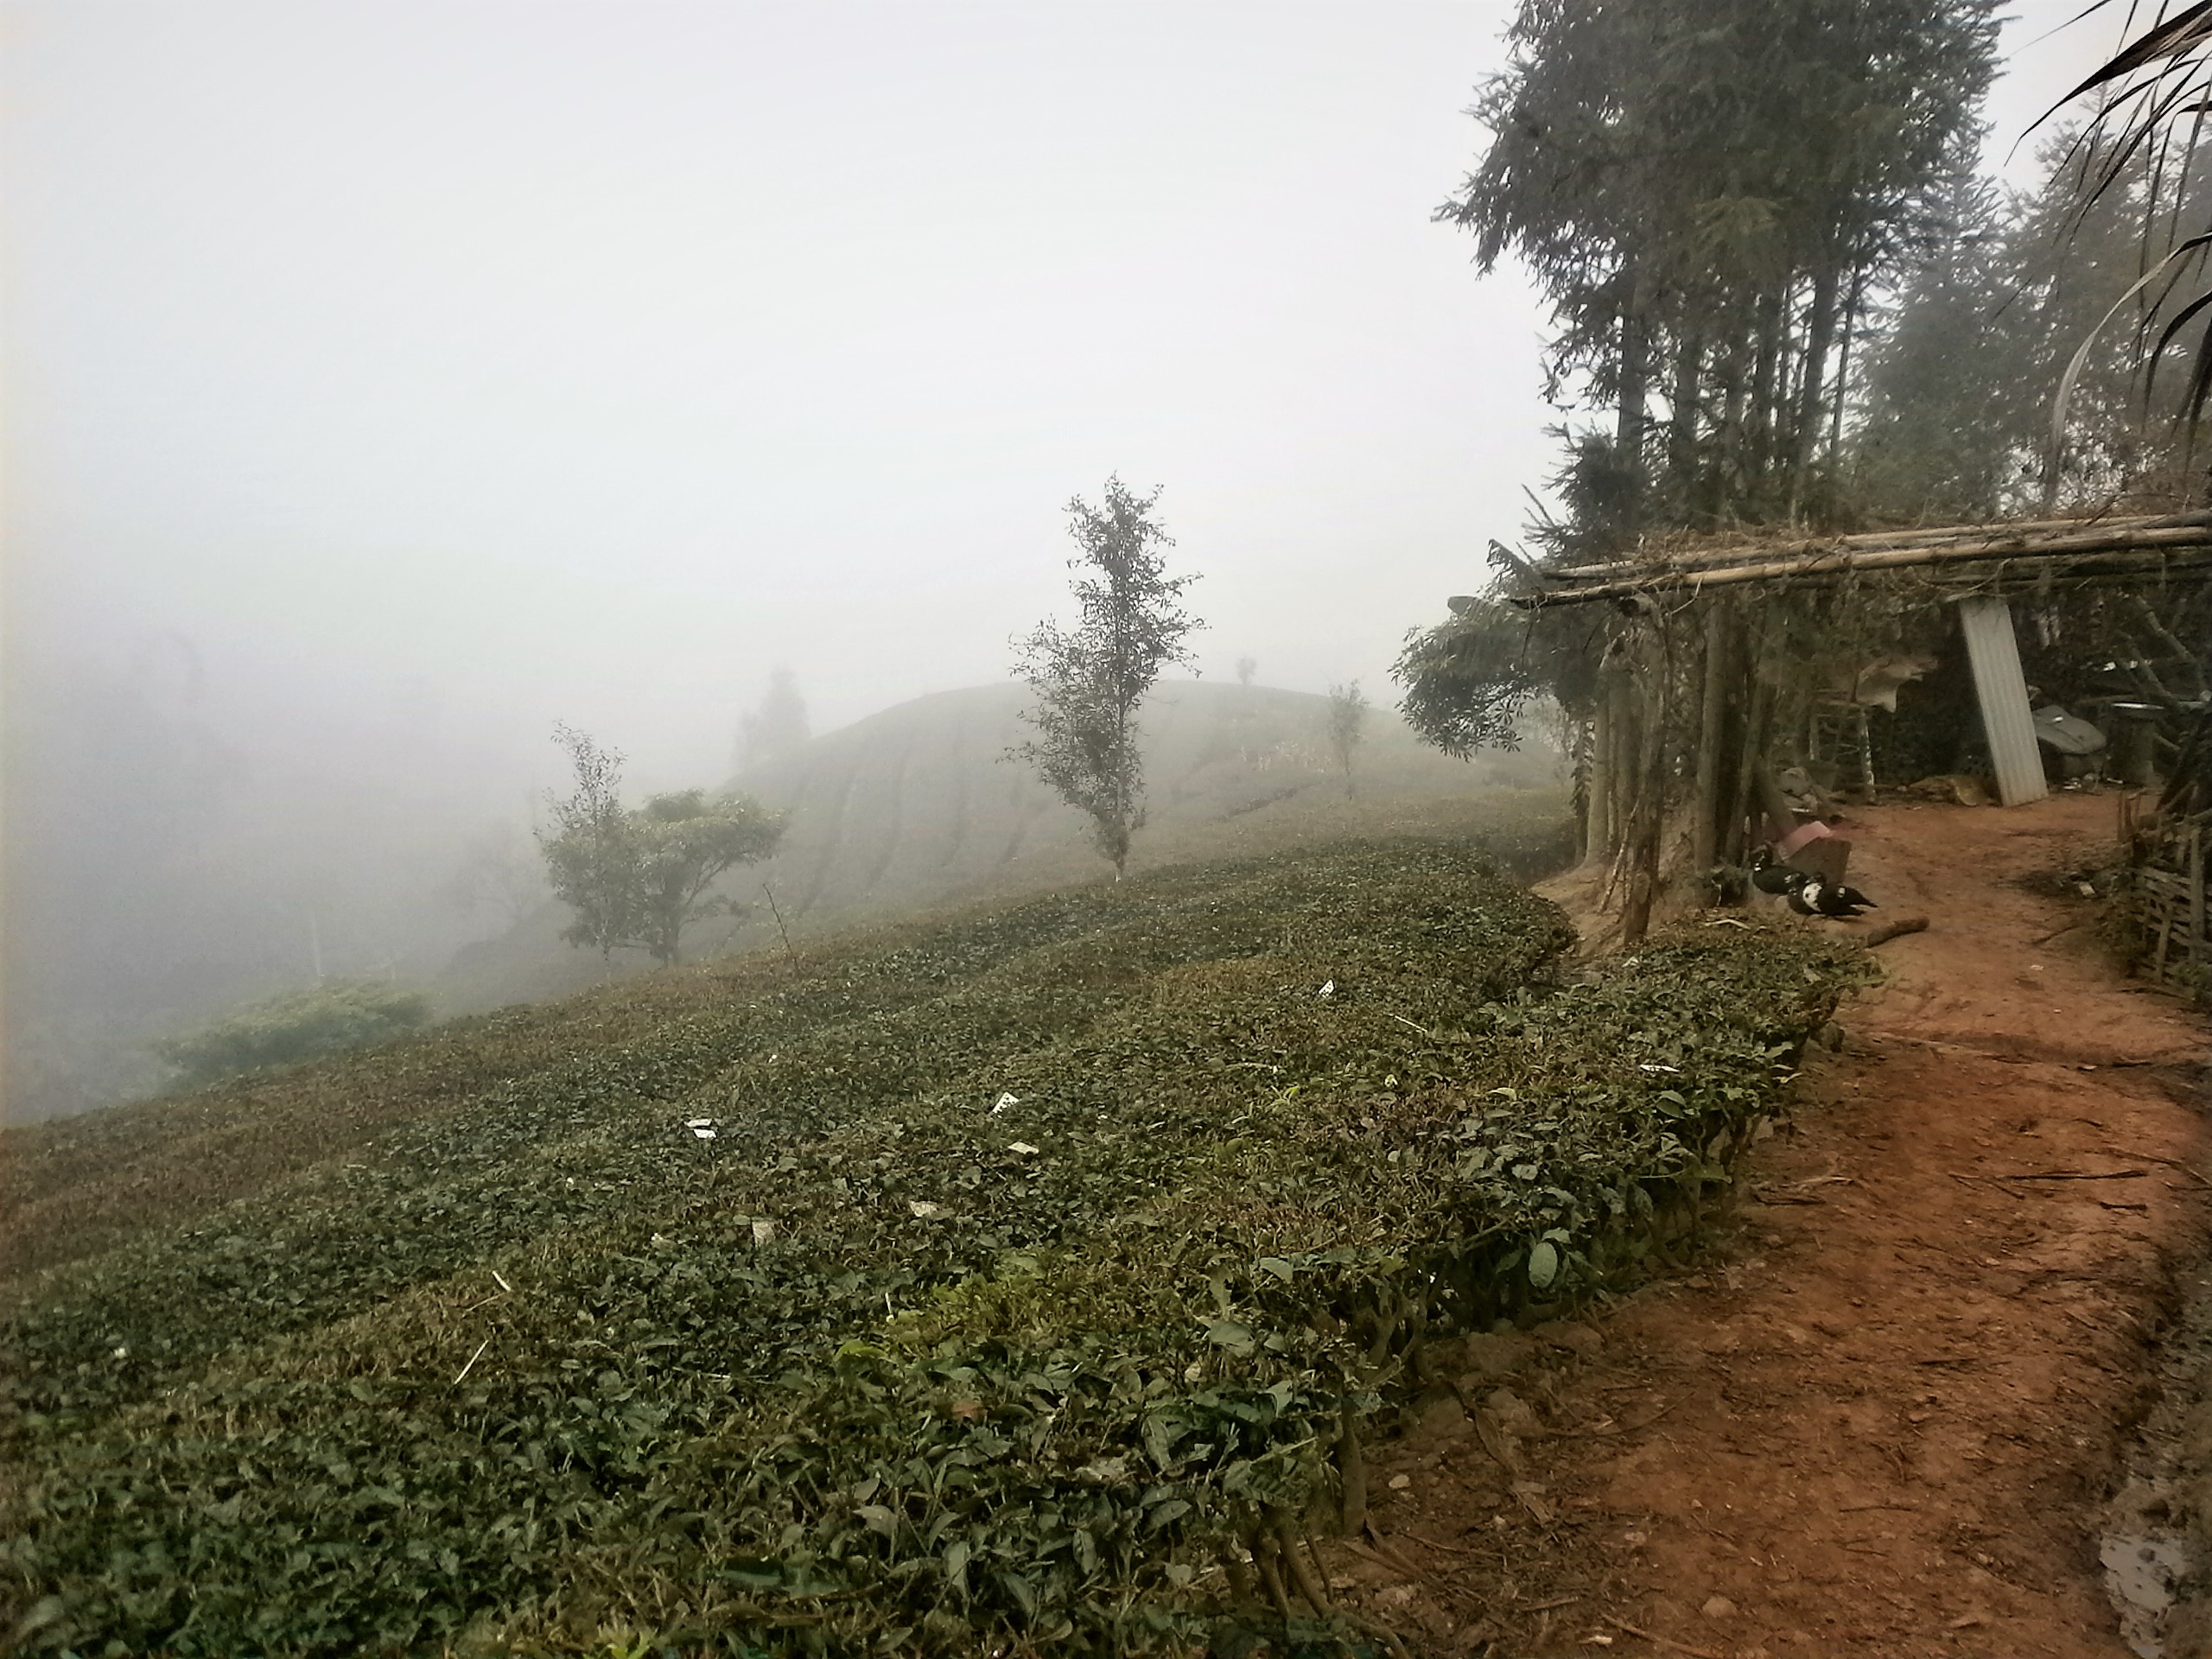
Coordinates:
(470, 366)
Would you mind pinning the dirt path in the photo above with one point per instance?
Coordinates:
(1882, 1417)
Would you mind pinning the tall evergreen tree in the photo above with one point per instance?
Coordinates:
(1710, 193)
(1957, 423)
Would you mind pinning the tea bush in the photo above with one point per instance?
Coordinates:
(329, 1018)
(1037, 1276)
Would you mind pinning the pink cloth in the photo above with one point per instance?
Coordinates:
(1803, 836)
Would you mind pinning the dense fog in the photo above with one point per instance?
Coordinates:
(385, 384)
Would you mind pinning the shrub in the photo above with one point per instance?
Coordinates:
(296, 1026)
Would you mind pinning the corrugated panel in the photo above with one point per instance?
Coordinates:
(2002, 690)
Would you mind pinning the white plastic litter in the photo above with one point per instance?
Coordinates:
(1005, 1101)
(1328, 989)
(924, 1211)
(704, 1135)
(1674, 1070)
(764, 1232)
(1024, 1148)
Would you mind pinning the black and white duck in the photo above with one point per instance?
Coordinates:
(1770, 877)
(1831, 899)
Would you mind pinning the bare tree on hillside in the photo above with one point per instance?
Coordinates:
(1089, 681)
(587, 858)
(1347, 715)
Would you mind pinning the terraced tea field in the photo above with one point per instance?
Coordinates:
(918, 806)
(1021, 1282)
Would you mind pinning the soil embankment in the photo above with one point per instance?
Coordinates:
(1886, 1414)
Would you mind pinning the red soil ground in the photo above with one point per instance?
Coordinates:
(1881, 1417)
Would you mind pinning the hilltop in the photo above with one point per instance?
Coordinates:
(918, 806)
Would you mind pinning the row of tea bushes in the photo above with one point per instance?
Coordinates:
(1029, 1312)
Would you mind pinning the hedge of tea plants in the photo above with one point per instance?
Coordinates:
(1027, 1286)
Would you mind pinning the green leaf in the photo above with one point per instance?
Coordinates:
(876, 1518)
(1543, 1264)
(1235, 1337)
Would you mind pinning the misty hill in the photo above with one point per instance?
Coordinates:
(917, 806)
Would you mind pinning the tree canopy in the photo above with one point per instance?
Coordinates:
(1709, 192)
(636, 879)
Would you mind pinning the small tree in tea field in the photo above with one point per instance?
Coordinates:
(587, 856)
(1090, 681)
(1347, 715)
(683, 843)
(635, 879)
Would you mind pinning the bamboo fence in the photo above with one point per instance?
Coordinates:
(2168, 878)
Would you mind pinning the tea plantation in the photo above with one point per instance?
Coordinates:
(1018, 1283)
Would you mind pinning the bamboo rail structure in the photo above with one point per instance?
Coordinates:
(2170, 542)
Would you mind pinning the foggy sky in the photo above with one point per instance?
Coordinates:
(384, 382)
(543, 361)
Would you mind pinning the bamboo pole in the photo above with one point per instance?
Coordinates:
(1876, 540)
(2160, 542)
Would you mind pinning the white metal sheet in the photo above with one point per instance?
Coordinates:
(2002, 690)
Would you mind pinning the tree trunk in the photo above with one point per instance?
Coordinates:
(1846, 330)
(1598, 805)
(1589, 734)
(1758, 720)
(1635, 390)
(1766, 366)
(1728, 481)
(1682, 423)
(1804, 429)
(1620, 762)
(1705, 808)
(1735, 715)
(1648, 817)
